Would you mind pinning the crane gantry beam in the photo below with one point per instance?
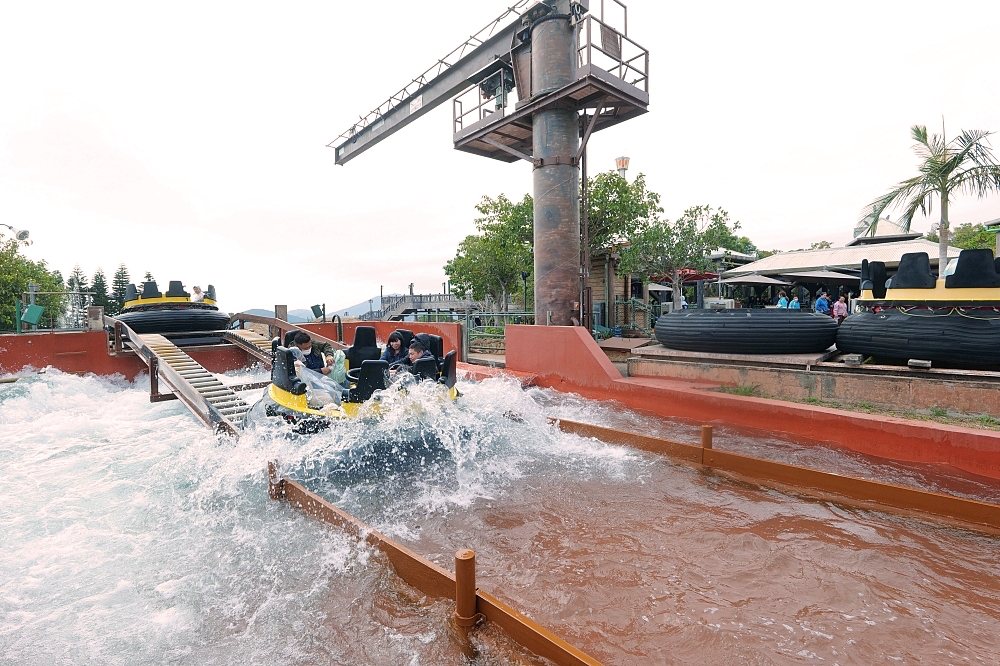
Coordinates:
(438, 84)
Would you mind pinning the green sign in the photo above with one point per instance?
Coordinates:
(33, 315)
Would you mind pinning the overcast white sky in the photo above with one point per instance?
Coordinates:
(188, 138)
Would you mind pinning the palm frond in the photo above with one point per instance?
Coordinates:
(977, 180)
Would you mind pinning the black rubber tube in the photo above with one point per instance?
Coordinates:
(745, 331)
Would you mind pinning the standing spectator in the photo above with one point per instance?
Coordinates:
(823, 305)
(795, 305)
(840, 310)
(782, 300)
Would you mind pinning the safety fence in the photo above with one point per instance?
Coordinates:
(472, 605)
(485, 331)
(973, 514)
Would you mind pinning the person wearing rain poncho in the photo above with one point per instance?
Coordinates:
(325, 376)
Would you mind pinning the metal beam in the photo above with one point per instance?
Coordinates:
(435, 92)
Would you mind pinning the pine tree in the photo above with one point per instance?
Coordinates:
(148, 277)
(99, 285)
(119, 283)
(77, 310)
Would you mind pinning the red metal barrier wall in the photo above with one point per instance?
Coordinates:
(82, 352)
(567, 358)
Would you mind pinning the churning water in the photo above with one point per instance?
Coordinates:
(133, 536)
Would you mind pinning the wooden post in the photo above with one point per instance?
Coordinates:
(706, 437)
(465, 588)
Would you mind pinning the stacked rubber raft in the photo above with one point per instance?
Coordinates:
(912, 315)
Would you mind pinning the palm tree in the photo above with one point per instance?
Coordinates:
(964, 164)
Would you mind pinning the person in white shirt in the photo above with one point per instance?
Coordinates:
(197, 296)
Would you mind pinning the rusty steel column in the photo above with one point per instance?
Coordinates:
(555, 136)
(706, 437)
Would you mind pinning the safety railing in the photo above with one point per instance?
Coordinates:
(804, 480)
(634, 314)
(485, 332)
(613, 52)
(472, 605)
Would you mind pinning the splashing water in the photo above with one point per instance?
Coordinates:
(133, 535)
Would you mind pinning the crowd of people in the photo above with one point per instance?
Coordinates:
(837, 309)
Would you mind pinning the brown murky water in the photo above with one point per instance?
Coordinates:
(638, 560)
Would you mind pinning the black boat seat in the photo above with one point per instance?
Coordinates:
(437, 346)
(364, 348)
(876, 271)
(131, 293)
(211, 292)
(283, 371)
(149, 290)
(176, 290)
(407, 337)
(374, 376)
(425, 368)
(448, 368)
(914, 272)
(288, 337)
(975, 269)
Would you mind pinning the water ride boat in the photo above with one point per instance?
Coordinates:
(915, 315)
(172, 312)
(746, 331)
(312, 408)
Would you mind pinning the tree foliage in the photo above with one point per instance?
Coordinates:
(488, 264)
(969, 237)
(618, 209)
(668, 248)
(99, 285)
(720, 233)
(964, 164)
(119, 283)
(16, 271)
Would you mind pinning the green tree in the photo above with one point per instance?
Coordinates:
(618, 209)
(719, 233)
(77, 304)
(668, 248)
(968, 236)
(148, 277)
(119, 283)
(99, 285)
(488, 264)
(964, 164)
(16, 271)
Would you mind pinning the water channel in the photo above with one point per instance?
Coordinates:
(132, 535)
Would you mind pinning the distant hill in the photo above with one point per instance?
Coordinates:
(356, 310)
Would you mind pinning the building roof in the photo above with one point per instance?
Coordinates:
(832, 258)
(887, 238)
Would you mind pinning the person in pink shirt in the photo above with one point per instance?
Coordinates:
(840, 309)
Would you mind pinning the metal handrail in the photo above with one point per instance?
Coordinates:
(625, 65)
(196, 402)
(282, 326)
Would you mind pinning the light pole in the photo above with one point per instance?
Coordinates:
(19, 234)
(621, 163)
(524, 278)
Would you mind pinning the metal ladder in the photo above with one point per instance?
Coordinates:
(252, 343)
(212, 401)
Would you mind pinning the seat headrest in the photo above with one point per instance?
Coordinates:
(976, 268)
(364, 336)
(131, 293)
(425, 368)
(176, 290)
(149, 290)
